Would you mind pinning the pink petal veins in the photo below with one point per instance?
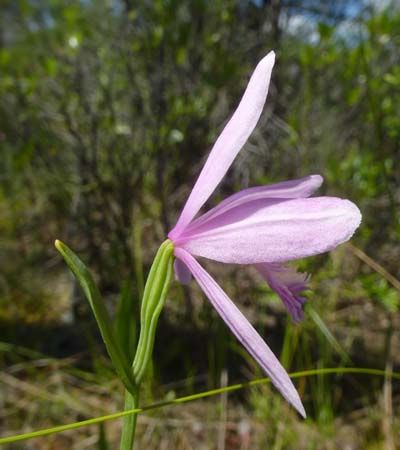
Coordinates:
(230, 142)
(303, 187)
(273, 230)
(288, 284)
(243, 330)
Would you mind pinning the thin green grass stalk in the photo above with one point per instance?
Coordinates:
(189, 398)
(102, 442)
(290, 343)
(334, 343)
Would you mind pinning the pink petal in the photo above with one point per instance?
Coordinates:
(303, 187)
(182, 273)
(273, 230)
(230, 142)
(287, 283)
(243, 330)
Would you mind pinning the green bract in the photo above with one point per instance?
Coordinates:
(154, 296)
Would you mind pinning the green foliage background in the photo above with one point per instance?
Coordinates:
(107, 111)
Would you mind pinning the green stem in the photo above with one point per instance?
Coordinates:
(155, 294)
(129, 422)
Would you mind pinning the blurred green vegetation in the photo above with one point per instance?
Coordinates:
(107, 111)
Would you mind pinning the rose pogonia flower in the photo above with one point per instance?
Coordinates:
(266, 226)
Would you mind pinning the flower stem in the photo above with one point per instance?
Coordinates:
(129, 422)
(155, 293)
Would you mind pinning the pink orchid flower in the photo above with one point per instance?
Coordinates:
(266, 226)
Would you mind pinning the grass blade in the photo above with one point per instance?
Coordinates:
(320, 324)
(189, 398)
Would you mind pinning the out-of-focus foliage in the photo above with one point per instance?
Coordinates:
(107, 111)
(99, 103)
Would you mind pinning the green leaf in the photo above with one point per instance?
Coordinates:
(83, 275)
